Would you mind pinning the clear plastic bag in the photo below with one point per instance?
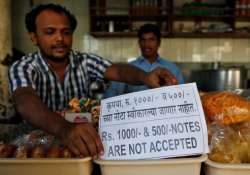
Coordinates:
(230, 144)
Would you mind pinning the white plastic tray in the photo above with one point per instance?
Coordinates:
(214, 168)
(174, 166)
(11, 166)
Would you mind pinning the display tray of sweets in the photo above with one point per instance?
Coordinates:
(48, 166)
(171, 166)
(40, 153)
(228, 120)
(216, 168)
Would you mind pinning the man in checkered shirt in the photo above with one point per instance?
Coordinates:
(45, 81)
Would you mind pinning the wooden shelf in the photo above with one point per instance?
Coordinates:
(113, 34)
(165, 16)
(202, 17)
(175, 35)
(130, 17)
(242, 18)
(209, 35)
(110, 17)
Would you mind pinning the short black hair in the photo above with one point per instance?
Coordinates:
(30, 18)
(149, 28)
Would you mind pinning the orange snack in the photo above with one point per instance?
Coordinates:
(6, 150)
(74, 104)
(95, 113)
(66, 153)
(38, 152)
(22, 152)
(225, 108)
(54, 152)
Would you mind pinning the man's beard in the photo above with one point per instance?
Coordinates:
(55, 59)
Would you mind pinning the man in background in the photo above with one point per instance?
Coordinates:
(149, 39)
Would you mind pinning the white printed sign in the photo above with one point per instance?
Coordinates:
(155, 123)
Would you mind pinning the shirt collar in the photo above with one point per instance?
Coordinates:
(42, 63)
(143, 59)
(73, 61)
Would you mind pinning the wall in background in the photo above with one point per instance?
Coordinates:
(6, 108)
(124, 49)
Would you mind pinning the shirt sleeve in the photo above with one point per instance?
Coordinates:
(175, 70)
(115, 88)
(21, 74)
(180, 77)
(96, 67)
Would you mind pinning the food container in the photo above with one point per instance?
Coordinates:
(214, 168)
(220, 79)
(11, 166)
(174, 166)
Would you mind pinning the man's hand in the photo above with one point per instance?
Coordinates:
(82, 139)
(160, 77)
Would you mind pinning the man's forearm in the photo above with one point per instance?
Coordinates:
(36, 113)
(125, 73)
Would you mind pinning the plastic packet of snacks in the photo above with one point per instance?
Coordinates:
(225, 108)
(82, 110)
(36, 144)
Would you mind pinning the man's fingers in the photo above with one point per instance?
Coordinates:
(83, 139)
(169, 80)
(161, 77)
(168, 77)
(96, 138)
(90, 143)
(81, 146)
(74, 149)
